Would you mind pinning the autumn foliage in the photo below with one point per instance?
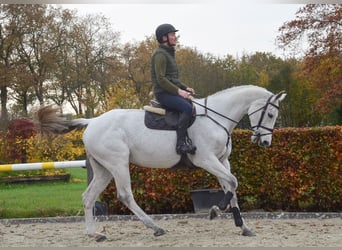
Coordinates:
(19, 130)
(54, 55)
(301, 171)
(14, 148)
(320, 25)
(40, 148)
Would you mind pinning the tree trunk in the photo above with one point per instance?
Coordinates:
(4, 112)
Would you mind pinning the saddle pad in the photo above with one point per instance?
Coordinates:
(168, 121)
(152, 109)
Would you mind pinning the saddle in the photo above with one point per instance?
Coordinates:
(157, 117)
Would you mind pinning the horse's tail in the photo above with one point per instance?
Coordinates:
(49, 120)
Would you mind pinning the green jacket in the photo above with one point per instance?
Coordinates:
(164, 71)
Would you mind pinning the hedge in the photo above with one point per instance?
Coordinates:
(301, 171)
(38, 148)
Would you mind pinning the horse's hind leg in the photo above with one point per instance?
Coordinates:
(101, 178)
(123, 186)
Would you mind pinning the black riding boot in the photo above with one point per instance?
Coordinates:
(183, 147)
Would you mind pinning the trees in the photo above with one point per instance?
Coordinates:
(7, 43)
(137, 58)
(321, 25)
(33, 50)
(205, 73)
(51, 55)
(88, 58)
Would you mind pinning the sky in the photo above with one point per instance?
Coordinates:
(218, 27)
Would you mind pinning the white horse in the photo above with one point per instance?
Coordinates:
(119, 137)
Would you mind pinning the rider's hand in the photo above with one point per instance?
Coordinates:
(184, 94)
(191, 90)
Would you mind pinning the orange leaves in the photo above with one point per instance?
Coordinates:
(161, 190)
(301, 171)
(321, 25)
(39, 148)
(298, 172)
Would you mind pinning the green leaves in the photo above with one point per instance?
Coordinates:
(301, 171)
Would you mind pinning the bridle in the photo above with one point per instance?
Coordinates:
(206, 108)
(263, 112)
(254, 128)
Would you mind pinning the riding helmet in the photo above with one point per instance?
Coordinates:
(163, 30)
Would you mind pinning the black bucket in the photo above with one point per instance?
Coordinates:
(204, 199)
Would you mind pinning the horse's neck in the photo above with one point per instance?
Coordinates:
(234, 103)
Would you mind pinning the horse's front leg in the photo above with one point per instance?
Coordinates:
(239, 221)
(230, 199)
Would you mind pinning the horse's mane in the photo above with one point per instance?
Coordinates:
(241, 87)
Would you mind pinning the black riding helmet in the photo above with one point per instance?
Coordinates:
(163, 30)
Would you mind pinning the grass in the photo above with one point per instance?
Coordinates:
(44, 199)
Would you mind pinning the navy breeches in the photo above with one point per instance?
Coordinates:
(174, 102)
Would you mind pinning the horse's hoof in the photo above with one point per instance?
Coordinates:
(159, 232)
(98, 237)
(248, 232)
(213, 212)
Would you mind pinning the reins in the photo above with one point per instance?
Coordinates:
(212, 119)
(259, 125)
(211, 110)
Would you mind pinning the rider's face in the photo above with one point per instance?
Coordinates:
(172, 38)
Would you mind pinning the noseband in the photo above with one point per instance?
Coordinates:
(263, 112)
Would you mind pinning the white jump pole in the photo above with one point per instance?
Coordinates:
(42, 165)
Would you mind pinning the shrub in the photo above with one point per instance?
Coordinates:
(67, 147)
(37, 148)
(301, 171)
(14, 146)
(160, 190)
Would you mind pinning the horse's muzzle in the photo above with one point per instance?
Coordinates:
(255, 137)
(264, 143)
(258, 138)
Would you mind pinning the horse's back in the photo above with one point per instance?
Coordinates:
(113, 120)
(124, 129)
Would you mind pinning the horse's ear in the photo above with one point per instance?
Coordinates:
(280, 96)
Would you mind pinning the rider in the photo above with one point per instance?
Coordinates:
(167, 87)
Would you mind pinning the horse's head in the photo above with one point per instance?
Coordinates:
(262, 116)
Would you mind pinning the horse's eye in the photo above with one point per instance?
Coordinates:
(270, 115)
